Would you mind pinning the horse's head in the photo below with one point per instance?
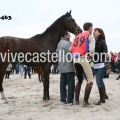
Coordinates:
(71, 25)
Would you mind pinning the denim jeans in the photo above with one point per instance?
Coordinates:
(100, 73)
(27, 71)
(67, 79)
(55, 69)
(21, 71)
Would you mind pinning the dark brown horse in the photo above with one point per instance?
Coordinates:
(39, 43)
(40, 74)
(39, 71)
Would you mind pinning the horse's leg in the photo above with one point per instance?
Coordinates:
(41, 74)
(32, 70)
(2, 73)
(42, 77)
(38, 72)
(39, 77)
(46, 84)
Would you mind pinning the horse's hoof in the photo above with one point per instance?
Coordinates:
(43, 98)
(46, 99)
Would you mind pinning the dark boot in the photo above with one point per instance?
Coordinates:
(106, 96)
(102, 96)
(118, 77)
(77, 93)
(87, 93)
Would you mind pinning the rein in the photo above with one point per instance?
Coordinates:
(75, 29)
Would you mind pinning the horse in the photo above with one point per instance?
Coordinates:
(40, 74)
(40, 43)
(39, 71)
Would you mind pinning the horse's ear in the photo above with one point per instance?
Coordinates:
(70, 12)
(66, 13)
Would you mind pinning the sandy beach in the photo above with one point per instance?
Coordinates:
(26, 103)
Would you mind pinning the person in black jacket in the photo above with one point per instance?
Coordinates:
(99, 59)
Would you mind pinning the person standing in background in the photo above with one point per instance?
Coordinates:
(8, 70)
(21, 70)
(27, 71)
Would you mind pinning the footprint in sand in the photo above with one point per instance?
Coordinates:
(12, 97)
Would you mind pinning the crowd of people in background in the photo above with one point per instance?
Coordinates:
(115, 63)
(17, 68)
(24, 70)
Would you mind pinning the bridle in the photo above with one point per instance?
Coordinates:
(75, 29)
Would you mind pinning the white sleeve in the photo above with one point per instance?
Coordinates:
(92, 44)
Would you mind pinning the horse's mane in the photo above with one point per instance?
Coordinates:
(51, 27)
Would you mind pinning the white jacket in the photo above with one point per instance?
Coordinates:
(9, 67)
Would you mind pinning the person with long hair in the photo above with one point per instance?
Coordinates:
(99, 59)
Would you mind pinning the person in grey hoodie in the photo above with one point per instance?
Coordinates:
(66, 69)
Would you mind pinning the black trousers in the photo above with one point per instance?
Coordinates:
(79, 72)
(7, 74)
(27, 71)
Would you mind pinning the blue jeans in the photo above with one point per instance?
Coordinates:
(67, 79)
(100, 73)
(21, 71)
(55, 69)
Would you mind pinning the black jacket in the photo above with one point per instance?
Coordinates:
(101, 50)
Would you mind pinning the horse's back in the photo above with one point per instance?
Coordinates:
(10, 42)
(5, 42)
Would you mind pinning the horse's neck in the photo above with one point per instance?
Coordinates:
(56, 35)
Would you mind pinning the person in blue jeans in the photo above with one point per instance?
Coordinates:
(99, 60)
(27, 71)
(55, 69)
(66, 69)
(21, 70)
(67, 79)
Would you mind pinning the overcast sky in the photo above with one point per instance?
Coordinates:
(30, 17)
